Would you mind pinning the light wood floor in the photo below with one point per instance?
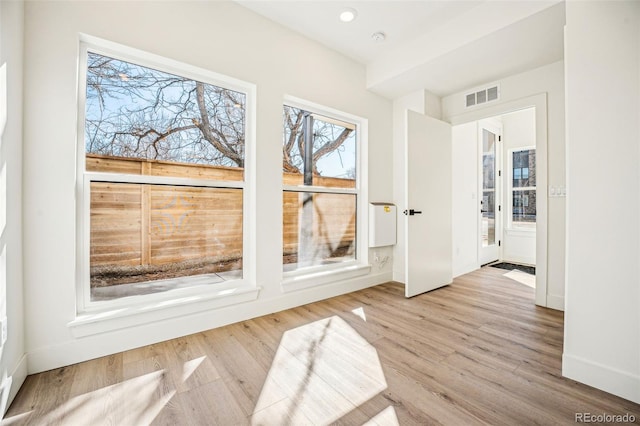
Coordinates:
(475, 352)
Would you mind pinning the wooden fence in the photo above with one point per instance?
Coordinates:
(140, 231)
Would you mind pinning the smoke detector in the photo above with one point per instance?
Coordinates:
(378, 36)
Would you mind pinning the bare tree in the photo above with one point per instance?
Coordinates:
(134, 111)
(139, 112)
(328, 138)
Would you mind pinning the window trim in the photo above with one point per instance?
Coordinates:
(234, 291)
(510, 189)
(318, 189)
(327, 274)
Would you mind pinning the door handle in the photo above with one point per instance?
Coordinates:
(412, 212)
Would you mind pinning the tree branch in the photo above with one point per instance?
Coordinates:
(206, 129)
(331, 146)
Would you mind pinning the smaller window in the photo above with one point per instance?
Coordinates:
(321, 191)
(523, 188)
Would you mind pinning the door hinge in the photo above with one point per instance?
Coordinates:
(499, 172)
(499, 243)
(499, 208)
(499, 138)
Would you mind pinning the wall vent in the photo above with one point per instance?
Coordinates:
(482, 96)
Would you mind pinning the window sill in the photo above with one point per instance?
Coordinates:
(115, 318)
(301, 281)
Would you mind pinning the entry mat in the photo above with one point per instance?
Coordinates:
(511, 266)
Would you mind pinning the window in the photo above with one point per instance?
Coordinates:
(523, 188)
(164, 189)
(321, 191)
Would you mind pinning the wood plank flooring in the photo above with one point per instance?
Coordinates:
(476, 352)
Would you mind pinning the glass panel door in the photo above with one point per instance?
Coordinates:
(489, 202)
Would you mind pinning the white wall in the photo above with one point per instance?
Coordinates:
(465, 198)
(13, 367)
(547, 80)
(219, 36)
(602, 320)
(518, 131)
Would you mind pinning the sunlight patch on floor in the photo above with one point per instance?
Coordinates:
(522, 278)
(135, 401)
(18, 419)
(190, 367)
(325, 370)
(359, 312)
(386, 417)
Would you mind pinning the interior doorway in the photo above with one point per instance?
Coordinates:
(465, 192)
(495, 198)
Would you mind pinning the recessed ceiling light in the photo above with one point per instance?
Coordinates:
(348, 15)
(378, 36)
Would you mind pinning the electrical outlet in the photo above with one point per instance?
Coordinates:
(3, 331)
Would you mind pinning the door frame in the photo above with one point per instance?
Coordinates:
(539, 102)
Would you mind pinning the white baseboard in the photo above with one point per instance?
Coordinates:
(398, 276)
(616, 382)
(95, 346)
(15, 380)
(465, 269)
(555, 302)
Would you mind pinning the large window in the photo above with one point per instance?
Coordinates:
(523, 188)
(321, 190)
(163, 188)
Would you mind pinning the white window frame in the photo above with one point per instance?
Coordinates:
(510, 189)
(192, 299)
(326, 274)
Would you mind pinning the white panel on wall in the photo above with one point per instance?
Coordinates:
(382, 224)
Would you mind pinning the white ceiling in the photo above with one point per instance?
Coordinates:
(443, 46)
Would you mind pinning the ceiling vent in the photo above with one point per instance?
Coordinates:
(482, 96)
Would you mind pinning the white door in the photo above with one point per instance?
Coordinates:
(428, 253)
(490, 208)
